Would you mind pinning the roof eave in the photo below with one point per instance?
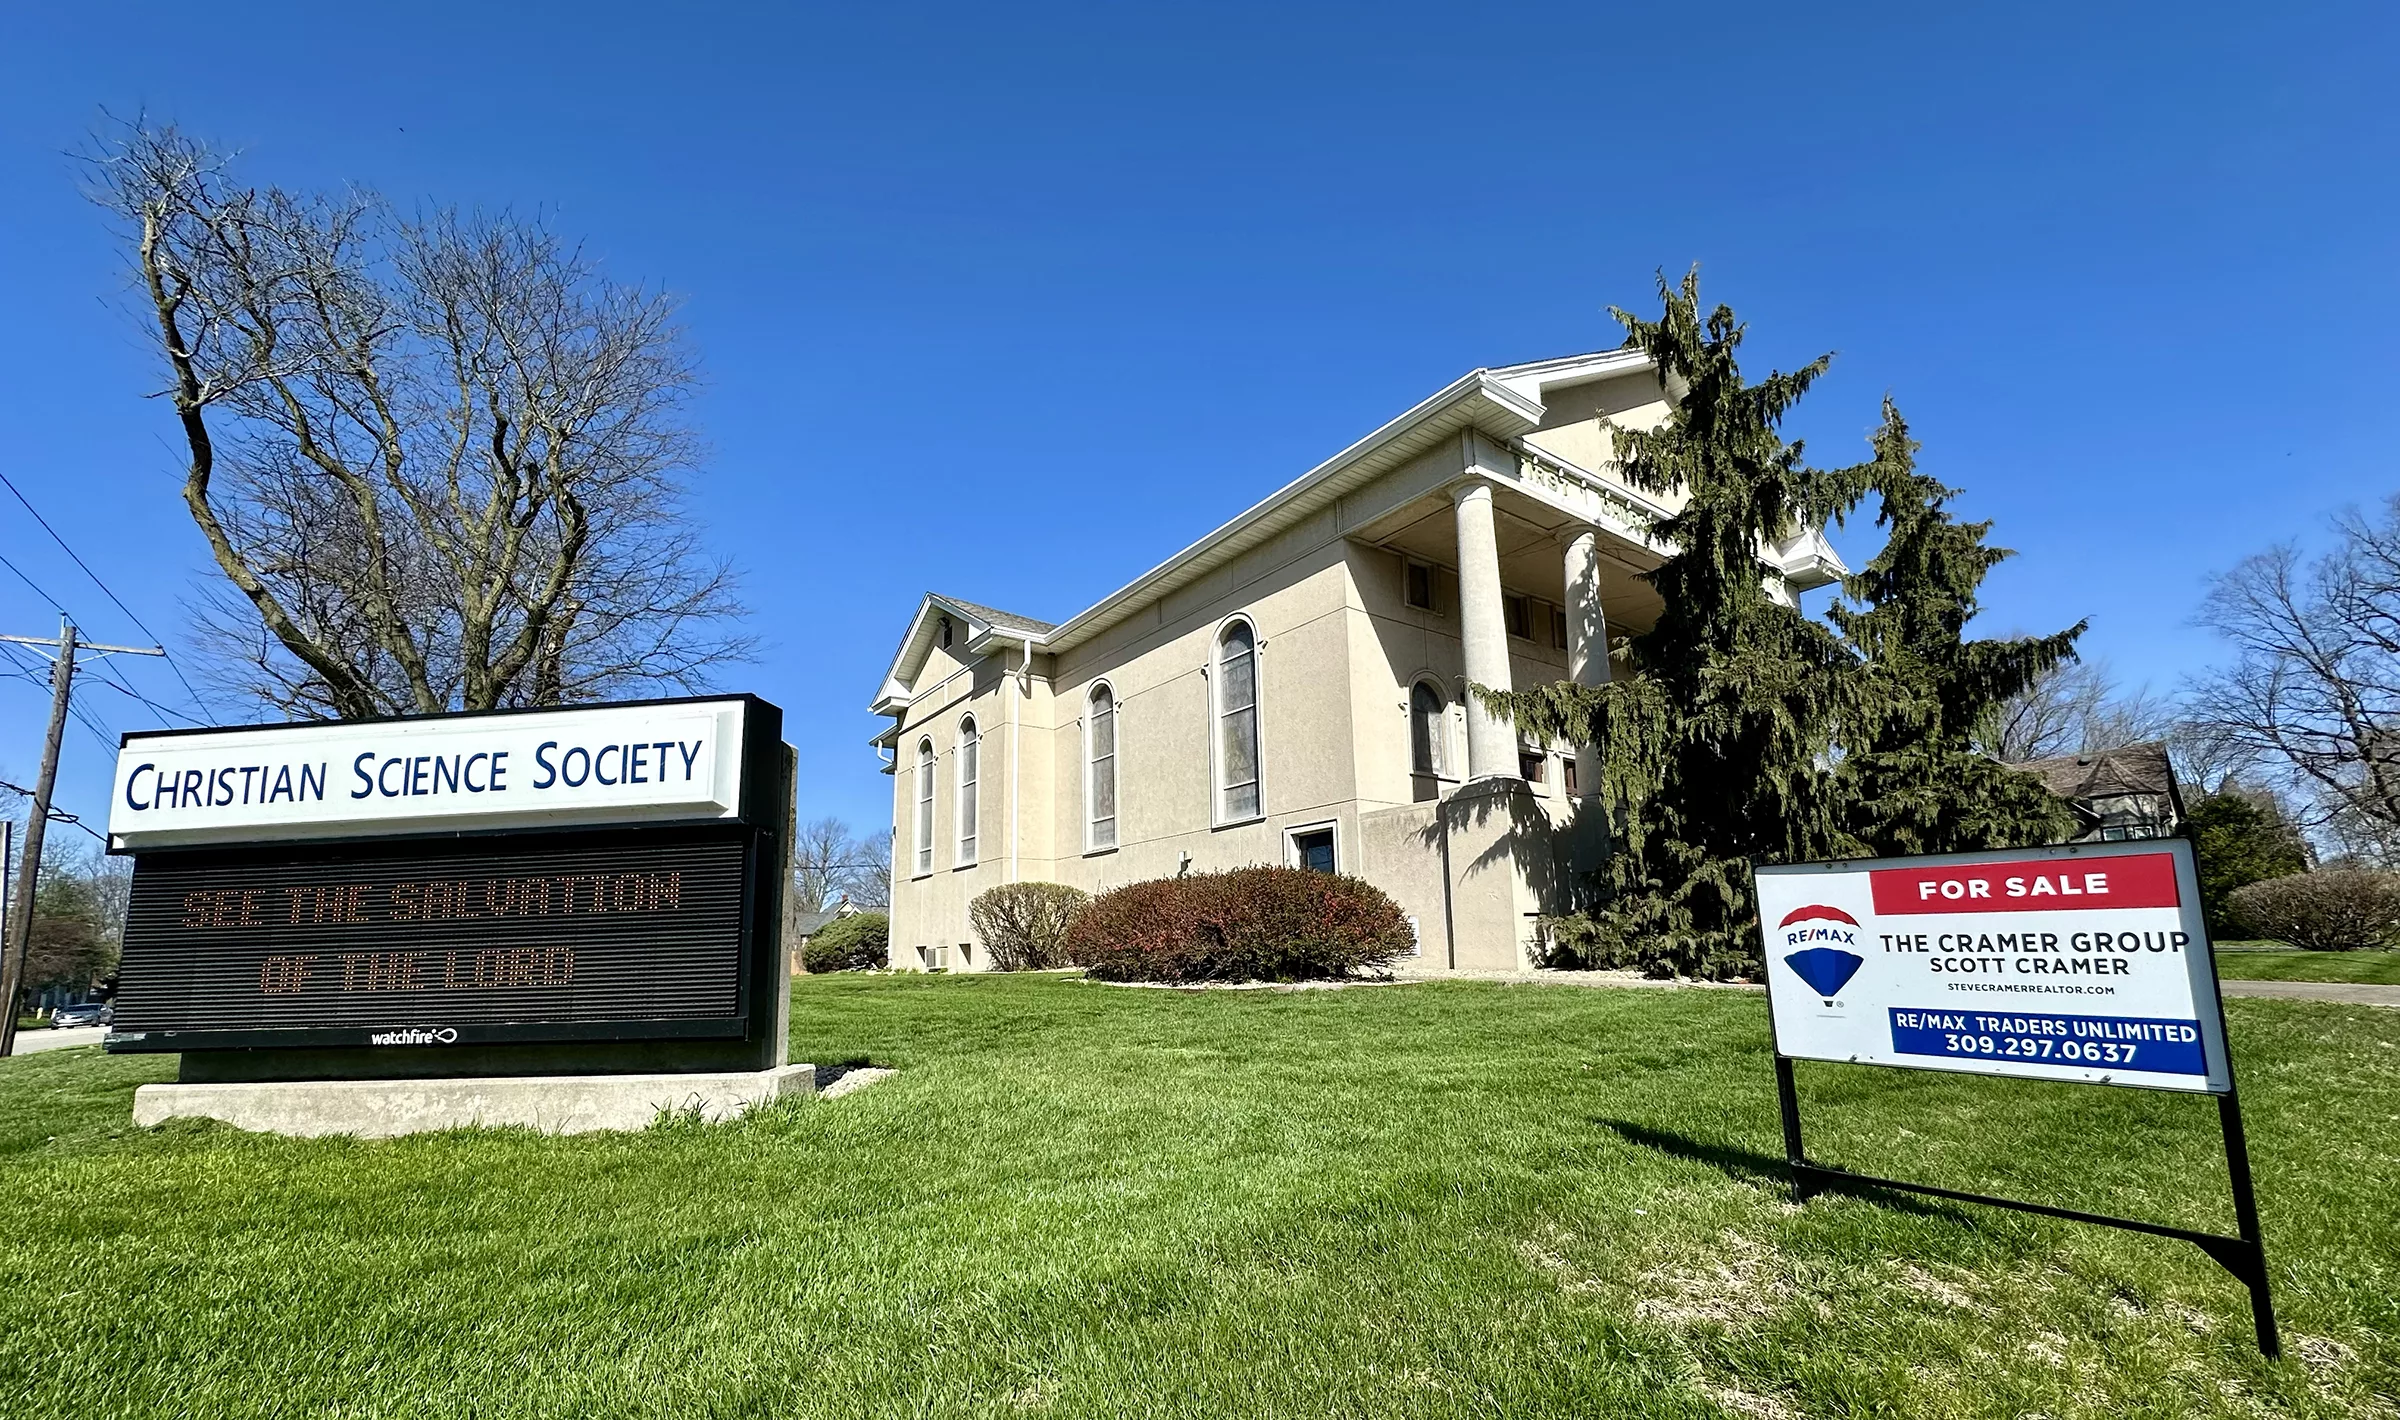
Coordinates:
(1474, 400)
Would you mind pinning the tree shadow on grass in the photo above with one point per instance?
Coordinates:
(1748, 1166)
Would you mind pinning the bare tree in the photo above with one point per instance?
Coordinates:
(438, 459)
(869, 879)
(2313, 692)
(2075, 707)
(830, 862)
(2209, 761)
(820, 859)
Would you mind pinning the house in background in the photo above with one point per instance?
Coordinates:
(1291, 687)
(2128, 792)
(804, 925)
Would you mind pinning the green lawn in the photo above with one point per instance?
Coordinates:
(1075, 1200)
(2287, 964)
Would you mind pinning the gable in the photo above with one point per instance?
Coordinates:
(946, 635)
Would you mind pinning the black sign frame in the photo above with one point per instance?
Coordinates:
(760, 829)
(2244, 1254)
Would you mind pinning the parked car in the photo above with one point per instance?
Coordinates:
(89, 1013)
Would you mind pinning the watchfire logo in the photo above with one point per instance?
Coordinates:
(414, 1035)
(1826, 969)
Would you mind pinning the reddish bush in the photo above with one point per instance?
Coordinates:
(1251, 924)
(2329, 910)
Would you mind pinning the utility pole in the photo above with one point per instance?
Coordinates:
(29, 869)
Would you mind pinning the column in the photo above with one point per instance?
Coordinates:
(1483, 632)
(1587, 638)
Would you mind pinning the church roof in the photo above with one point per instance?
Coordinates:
(1505, 400)
(993, 616)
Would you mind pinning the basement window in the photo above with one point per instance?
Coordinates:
(1315, 847)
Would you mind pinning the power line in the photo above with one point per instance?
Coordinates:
(106, 739)
(160, 710)
(55, 603)
(155, 639)
(99, 728)
(105, 736)
(56, 815)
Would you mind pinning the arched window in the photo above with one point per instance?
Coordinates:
(970, 747)
(1100, 769)
(925, 806)
(1428, 717)
(1237, 723)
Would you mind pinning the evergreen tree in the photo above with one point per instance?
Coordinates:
(2238, 839)
(1910, 779)
(1716, 747)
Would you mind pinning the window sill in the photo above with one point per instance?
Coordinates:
(920, 877)
(1238, 822)
(962, 867)
(1099, 852)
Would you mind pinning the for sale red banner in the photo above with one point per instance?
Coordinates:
(2084, 962)
(2032, 885)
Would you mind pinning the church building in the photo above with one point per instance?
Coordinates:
(1290, 687)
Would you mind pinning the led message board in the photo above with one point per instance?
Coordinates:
(511, 880)
(530, 939)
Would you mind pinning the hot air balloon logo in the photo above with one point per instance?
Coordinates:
(1826, 969)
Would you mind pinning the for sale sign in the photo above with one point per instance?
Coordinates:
(2081, 962)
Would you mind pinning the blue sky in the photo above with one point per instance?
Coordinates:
(1011, 302)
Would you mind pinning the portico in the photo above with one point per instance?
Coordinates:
(1484, 620)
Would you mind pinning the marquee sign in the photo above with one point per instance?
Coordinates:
(2082, 962)
(514, 878)
(607, 764)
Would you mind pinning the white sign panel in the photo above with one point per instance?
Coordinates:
(2082, 962)
(614, 763)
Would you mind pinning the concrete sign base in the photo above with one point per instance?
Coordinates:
(552, 1104)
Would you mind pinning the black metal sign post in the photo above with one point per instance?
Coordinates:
(2244, 1254)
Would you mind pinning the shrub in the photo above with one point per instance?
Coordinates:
(2331, 909)
(1024, 925)
(1594, 942)
(1251, 924)
(861, 941)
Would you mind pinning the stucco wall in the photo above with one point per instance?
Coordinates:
(1572, 423)
(1339, 650)
(1161, 671)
